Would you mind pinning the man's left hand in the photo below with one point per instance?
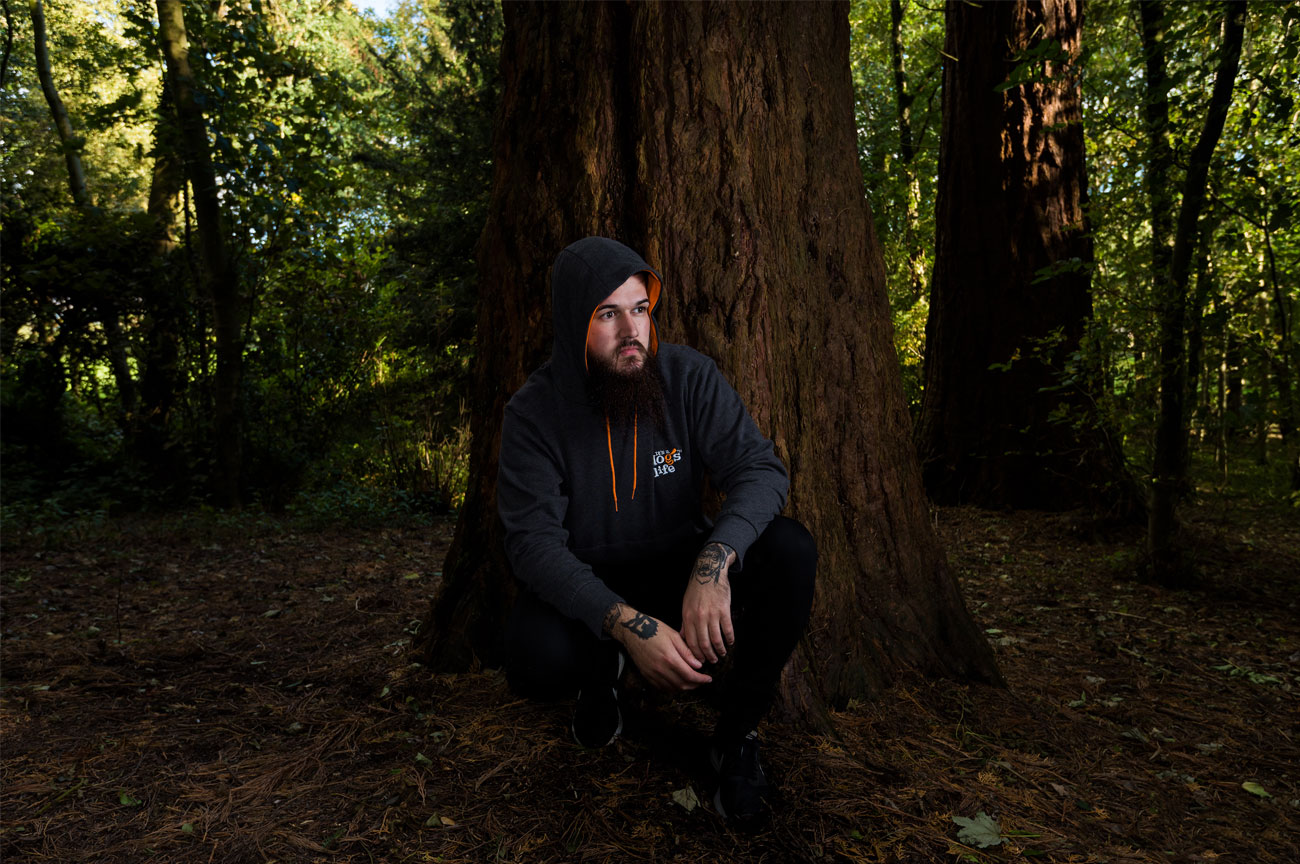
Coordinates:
(706, 606)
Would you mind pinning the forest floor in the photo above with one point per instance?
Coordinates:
(213, 689)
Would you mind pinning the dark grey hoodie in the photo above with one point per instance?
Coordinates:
(574, 492)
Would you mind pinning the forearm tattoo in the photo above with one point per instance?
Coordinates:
(642, 625)
(708, 566)
(611, 618)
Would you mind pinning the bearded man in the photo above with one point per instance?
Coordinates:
(604, 455)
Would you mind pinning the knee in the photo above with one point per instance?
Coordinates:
(789, 546)
(543, 654)
(784, 559)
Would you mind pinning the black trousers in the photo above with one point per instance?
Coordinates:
(551, 656)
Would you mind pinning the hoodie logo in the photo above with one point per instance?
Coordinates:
(666, 461)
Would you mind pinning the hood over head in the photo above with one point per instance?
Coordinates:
(585, 273)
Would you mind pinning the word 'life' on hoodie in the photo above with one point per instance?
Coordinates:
(574, 492)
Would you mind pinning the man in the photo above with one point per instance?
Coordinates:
(604, 454)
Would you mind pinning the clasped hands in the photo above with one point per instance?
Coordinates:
(671, 660)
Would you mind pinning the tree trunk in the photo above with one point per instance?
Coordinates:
(1169, 472)
(160, 377)
(71, 146)
(907, 153)
(719, 141)
(1284, 362)
(68, 140)
(219, 275)
(1006, 419)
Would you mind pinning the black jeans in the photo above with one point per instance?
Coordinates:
(550, 656)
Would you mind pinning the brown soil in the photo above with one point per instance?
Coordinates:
(193, 689)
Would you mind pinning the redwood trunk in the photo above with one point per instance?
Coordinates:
(1004, 420)
(719, 141)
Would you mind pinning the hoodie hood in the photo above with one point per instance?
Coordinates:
(585, 273)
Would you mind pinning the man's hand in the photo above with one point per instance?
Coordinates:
(656, 649)
(706, 606)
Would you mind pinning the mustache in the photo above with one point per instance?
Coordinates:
(630, 343)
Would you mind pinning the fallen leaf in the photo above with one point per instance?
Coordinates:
(686, 799)
(1255, 789)
(983, 831)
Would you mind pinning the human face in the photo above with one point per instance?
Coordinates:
(620, 329)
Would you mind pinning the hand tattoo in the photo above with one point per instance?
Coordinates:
(708, 566)
(642, 625)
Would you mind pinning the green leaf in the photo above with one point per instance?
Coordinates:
(421, 759)
(125, 799)
(1255, 789)
(982, 831)
(187, 827)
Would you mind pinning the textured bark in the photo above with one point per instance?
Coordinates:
(1169, 472)
(1011, 297)
(218, 274)
(718, 140)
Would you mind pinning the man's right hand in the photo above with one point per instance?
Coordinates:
(656, 649)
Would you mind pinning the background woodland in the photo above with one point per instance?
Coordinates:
(318, 361)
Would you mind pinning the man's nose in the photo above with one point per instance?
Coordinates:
(626, 326)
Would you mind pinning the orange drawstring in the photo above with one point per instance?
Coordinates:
(636, 457)
(613, 475)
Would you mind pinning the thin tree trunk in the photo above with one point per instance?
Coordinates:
(1284, 362)
(907, 154)
(219, 275)
(1221, 426)
(68, 140)
(719, 141)
(1196, 393)
(160, 378)
(71, 146)
(1169, 473)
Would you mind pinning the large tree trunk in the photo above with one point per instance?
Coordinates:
(719, 141)
(218, 274)
(1169, 472)
(1005, 420)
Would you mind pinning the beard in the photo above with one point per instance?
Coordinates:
(628, 396)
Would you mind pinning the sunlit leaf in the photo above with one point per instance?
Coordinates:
(1255, 789)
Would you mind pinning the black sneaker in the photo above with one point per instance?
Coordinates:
(597, 720)
(744, 793)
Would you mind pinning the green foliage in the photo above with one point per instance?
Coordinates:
(1246, 295)
(902, 194)
(352, 160)
(1245, 290)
